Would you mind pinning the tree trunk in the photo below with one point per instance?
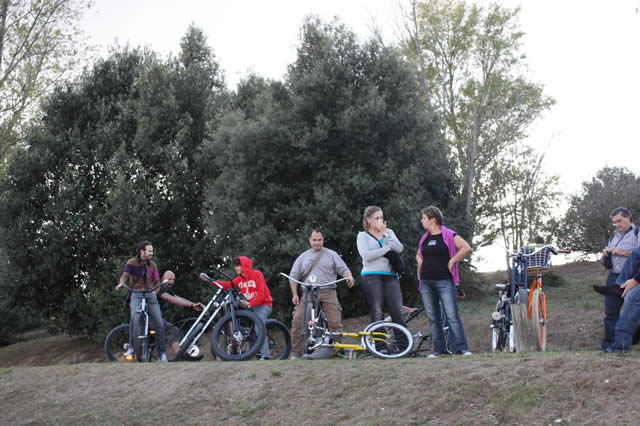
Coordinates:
(4, 11)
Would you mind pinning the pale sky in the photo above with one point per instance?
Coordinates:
(585, 52)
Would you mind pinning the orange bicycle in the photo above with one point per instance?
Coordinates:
(534, 259)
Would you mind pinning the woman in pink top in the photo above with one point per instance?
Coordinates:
(439, 252)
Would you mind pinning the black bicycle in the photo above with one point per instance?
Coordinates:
(143, 335)
(237, 336)
(116, 344)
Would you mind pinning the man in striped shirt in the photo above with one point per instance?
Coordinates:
(142, 274)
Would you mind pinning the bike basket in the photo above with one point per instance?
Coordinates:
(540, 262)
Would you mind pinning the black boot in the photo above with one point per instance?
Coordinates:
(609, 290)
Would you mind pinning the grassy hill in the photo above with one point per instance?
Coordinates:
(62, 380)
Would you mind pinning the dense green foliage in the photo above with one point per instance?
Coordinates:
(146, 148)
(587, 225)
(112, 162)
(346, 129)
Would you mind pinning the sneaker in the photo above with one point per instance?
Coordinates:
(464, 353)
(612, 349)
(163, 357)
(434, 355)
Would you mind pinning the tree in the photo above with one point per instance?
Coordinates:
(112, 161)
(587, 226)
(470, 65)
(346, 129)
(520, 199)
(39, 44)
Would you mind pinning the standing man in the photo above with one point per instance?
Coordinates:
(142, 274)
(165, 292)
(321, 265)
(623, 240)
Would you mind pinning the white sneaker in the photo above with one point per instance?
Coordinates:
(464, 353)
(129, 352)
(434, 355)
(163, 357)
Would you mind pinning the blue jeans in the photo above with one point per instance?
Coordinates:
(612, 306)
(153, 309)
(631, 266)
(437, 292)
(263, 311)
(628, 322)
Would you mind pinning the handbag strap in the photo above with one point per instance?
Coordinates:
(313, 265)
(373, 236)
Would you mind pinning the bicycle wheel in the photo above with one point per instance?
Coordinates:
(306, 333)
(387, 340)
(117, 343)
(140, 338)
(185, 324)
(239, 343)
(539, 319)
(279, 339)
(188, 341)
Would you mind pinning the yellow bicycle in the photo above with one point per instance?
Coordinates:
(382, 339)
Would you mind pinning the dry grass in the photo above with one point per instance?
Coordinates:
(571, 383)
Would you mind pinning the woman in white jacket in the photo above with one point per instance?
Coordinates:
(379, 282)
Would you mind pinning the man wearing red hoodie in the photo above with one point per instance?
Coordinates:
(254, 288)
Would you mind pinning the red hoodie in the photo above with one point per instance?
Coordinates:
(251, 283)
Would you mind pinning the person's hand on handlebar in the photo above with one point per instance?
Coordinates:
(198, 306)
(350, 282)
(119, 286)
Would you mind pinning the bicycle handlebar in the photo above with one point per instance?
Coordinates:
(312, 284)
(520, 253)
(207, 278)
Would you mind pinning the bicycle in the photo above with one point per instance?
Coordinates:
(382, 339)
(277, 335)
(530, 260)
(237, 336)
(417, 330)
(142, 333)
(116, 343)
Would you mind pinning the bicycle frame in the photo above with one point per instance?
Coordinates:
(142, 308)
(502, 318)
(220, 300)
(311, 290)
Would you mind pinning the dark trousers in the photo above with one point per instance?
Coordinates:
(383, 293)
(612, 306)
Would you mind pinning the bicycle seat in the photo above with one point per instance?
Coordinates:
(502, 287)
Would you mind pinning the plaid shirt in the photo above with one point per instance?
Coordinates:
(624, 241)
